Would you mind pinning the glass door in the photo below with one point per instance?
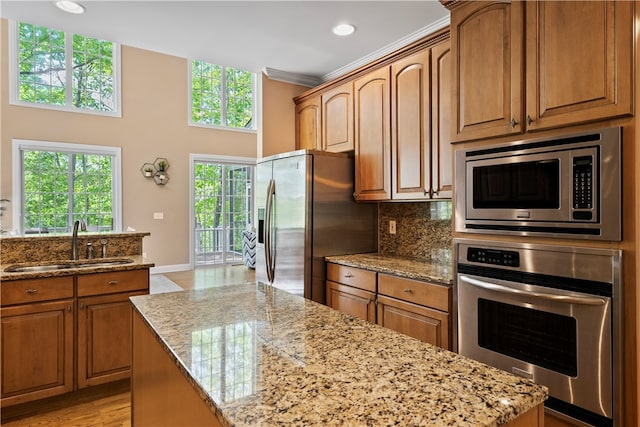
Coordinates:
(223, 206)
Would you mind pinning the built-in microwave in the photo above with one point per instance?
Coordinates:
(565, 186)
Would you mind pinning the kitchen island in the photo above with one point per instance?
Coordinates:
(251, 354)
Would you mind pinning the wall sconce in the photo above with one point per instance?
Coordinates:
(156, 170)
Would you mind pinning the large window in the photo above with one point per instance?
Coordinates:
(221, 96)
(66, 71)
(61, 183)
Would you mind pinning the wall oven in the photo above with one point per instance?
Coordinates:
(548, 313)
(566, 186)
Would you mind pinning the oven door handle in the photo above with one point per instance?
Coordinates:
(572, 298)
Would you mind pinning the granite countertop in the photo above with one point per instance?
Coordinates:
(138, 263)
(260, 356)
(430, 271)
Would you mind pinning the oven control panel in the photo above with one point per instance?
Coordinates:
(494, 256)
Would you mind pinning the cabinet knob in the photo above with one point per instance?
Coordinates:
(69, 308)
(408, 290)
(112, 282)
(513, 122)
(529, 119)
(31, 291)
(81, 306)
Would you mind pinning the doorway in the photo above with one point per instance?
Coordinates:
(222, 208)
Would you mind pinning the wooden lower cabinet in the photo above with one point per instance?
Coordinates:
(37, 351)
(160, 394)
(104, 339)
(353, 301)
(417, 321)
(41, 341)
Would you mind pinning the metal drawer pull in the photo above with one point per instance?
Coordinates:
(408, 290)
(348, 275)
(112, 282)
(31, 291)
(81, 306)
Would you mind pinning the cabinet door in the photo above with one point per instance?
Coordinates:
(337, 119)
(419, 322)
(356, 302)
(410, 133)
(104, 339)
(487, 39)
(441, 149)
(373, 136)
(579, 61)
(40, 361)
(308, 124)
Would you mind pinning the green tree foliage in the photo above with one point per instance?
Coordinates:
(221, 96)
(60, 188)
(43, 69)
(211, 208)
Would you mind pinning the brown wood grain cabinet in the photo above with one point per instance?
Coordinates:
(415, 308)
(412, 307)
(352, 291)
(568, 63)
(37, 350)
(337, 118)
(372, 136)
(420, 125)
(53, 326)
(309, 124)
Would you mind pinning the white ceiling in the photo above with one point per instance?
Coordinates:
(292, 38)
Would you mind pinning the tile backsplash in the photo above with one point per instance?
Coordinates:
(423, 230)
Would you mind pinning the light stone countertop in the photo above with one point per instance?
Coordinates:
(260, 356)
(138, 262)
(438, 272)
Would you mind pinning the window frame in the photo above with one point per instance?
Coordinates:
(14, 98)
(190, 122)
(19, 145)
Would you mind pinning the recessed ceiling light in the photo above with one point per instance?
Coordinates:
(343, 29)
(70, 7)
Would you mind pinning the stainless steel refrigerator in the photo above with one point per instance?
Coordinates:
(306, 211)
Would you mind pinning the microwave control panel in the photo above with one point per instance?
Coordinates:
(583, 186)
(494, 256)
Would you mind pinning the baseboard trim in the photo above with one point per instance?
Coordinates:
(169, 268)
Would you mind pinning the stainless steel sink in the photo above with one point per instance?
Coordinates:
(23, 268)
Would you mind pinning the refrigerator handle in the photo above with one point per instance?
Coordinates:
(268, 229)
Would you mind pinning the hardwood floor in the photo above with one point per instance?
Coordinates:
(109, 405)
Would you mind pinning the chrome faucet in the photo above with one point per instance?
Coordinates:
(74, 237)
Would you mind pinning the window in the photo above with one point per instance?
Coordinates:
(54, 69)
(221, 96)
(61, 183)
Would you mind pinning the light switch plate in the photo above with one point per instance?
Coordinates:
(158, 215)
(392, 227)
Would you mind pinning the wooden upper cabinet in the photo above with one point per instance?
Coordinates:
(578, 58)
(337, 119)
(410, 131)
(486, 37)
(372, 136)
(309, 124)
(579, 61)
(441, 150)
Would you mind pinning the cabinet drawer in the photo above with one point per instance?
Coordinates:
(34, 290)
(113, 282)
(356, 277)
(415, 291)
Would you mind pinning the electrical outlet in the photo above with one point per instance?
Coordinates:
(158, 215)
(392, 227)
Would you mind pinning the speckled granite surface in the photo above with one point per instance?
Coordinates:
(44, 247)
(261, 356)
(137, 262)
(399, 266)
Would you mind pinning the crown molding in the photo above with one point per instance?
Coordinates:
(294, 78)
(417, 35)
(311, 81)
